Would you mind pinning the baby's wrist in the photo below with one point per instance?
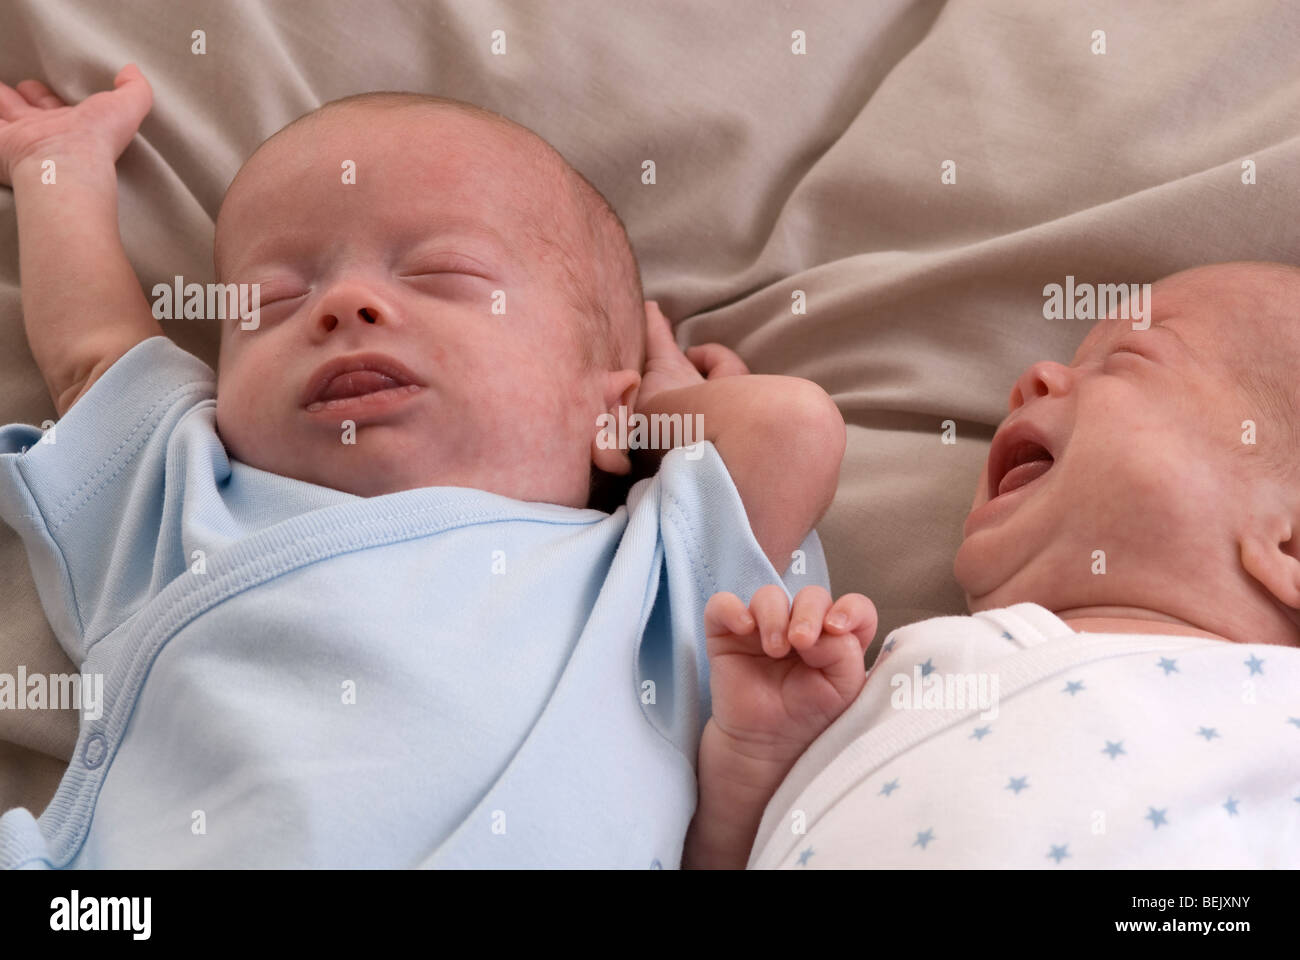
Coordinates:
(79, 154)
(747, 766)
(735, 787)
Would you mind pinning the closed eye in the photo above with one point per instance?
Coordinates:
(457, 274)
(283, 298)
(451, 285)
(446, 263)
(1125, 351)
(441, 273)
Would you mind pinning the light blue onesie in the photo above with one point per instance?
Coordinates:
(299, 677)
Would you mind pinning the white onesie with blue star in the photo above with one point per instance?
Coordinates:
(299, 677)
(1092, 750)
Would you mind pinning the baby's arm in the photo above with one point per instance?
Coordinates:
(782, 438)
(82, 303)
(769, 705)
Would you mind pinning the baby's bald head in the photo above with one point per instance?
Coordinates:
(561, 216)
(1251, 315)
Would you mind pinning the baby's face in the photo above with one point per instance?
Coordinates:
(1139, 486)
(401, 268)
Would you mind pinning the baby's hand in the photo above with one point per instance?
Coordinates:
(667, 368)
(35, 122)
(772, 705)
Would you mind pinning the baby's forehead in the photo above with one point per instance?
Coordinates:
(1110, 331)
(409, 136)
(438, 156)
(1221, 314)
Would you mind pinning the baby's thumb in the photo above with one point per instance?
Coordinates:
(716, 361)
(655, 317)
(659, 331)
(134, 89)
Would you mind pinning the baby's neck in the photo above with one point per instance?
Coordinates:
(1130, 620)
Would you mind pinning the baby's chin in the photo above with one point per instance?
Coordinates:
(987, 586)
(993, 601)
(972, 560)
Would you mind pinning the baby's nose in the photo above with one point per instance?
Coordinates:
(1047, 378)
(329, 319)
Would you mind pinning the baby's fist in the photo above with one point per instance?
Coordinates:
(780, 673)
(36, 123)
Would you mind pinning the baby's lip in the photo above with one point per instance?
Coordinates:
(1009, 442)
(319, 381)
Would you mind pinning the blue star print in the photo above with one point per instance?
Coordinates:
(803, 857)
(1256, 665)
(1157, 817)
(889, 645)
(1017, 784)
(1209, 733)
(980, 733)
(923, 838)
(927, 668)
(1007, 636)
(1073, 687)
(890, 787)
(1168, 666)
(1059, 853)
(1295, 720)
(1231, 806)
(1114, 749)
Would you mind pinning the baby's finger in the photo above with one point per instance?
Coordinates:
(771, 611)
(726, 613)
(131, 86)
(658, 331)
(853, 613)
(655, 319)
(806, 614)
(12, 104)
(838, 658)
(39, 95)
(715, 361)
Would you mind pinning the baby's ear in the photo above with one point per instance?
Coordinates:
(1270, 552)
(620, 389)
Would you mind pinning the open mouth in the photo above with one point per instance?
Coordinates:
(364, 378)
(1024, 463)
(355, 384)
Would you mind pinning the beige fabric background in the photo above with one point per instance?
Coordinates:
(775, 172)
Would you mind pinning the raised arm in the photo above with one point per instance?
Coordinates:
(83, 307)
(782, 438)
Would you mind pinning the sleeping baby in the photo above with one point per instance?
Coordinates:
(1132, 564)
(349, 595)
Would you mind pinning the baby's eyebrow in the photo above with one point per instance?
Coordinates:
(452, 226)
(1105, 345)
(283, 249)
(1182, 341)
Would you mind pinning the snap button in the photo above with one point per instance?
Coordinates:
(94, 751)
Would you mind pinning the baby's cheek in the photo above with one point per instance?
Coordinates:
(981, 488)
(237, 420)
(227, 420)
(1164, 488)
